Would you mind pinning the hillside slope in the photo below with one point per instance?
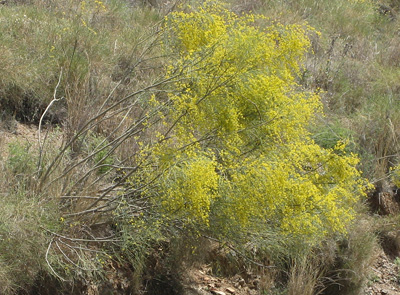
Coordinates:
(160, 147)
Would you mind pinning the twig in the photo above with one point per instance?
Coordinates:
(82, 197)
(55, 99)
(48, 263)
(99, 240)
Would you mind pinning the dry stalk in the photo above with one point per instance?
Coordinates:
(55, 99)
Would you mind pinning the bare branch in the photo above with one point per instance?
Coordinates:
(55, 99)
(48, 263)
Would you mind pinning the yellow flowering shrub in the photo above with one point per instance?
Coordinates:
(234, 150)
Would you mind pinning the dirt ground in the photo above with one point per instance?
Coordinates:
(385, 276)
(28, 133)
(201, 282)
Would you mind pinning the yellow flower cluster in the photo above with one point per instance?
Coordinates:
(88, 9)
(92, 5)
(191, 188)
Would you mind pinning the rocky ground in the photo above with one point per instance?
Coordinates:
(385, 276)
(201, 282)
(384, 280)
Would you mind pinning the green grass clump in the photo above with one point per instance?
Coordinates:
(23, 243)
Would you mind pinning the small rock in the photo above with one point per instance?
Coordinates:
(252, 287)
(384, 291)
(242, 282)
(230, 290)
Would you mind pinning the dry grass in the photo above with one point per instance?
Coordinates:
(305, 277)
(23, 213)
